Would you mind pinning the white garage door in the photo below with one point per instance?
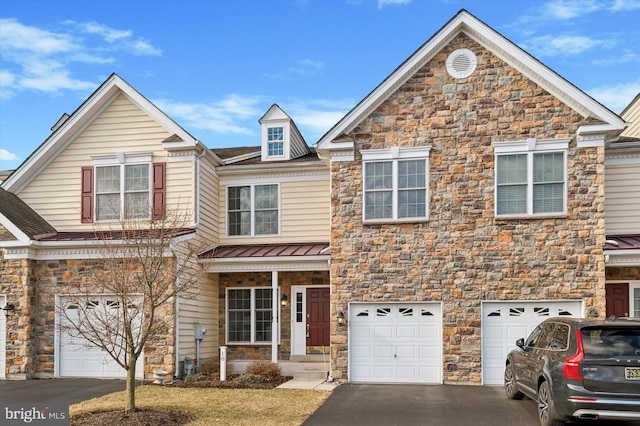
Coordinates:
(3, 338)
(395, 342)
(78, 358)
(505, 322)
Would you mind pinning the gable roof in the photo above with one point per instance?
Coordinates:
(463, 22)
(17, 217)
(632, 114)
(66, 130)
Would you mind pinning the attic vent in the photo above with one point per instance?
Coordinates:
(461, 63)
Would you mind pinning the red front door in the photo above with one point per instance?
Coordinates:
(617, 296)
(317, 317)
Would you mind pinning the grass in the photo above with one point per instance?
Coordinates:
(218, 406)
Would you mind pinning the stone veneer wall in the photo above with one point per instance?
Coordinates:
(263, 279)
(32, 286)
(463, 255)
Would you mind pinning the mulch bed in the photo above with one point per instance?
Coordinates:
(141, 417)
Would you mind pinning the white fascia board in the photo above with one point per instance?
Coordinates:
(622, 257)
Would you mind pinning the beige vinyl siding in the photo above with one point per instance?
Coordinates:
(204, 311)
(632, 116)
(121, 127)
(304, 213)
(209, 213)
(181, 186)
(622, 199)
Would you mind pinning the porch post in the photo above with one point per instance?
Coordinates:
(275, 320)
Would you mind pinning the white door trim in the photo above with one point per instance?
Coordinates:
(299, 329)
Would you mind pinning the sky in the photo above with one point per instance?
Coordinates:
(216, 66)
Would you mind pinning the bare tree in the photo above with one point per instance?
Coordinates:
(144, 265)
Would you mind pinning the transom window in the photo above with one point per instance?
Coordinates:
(249, 315)
(123, 191)
(396, 184)
(531, 177)
(275, 141)
(253, 210)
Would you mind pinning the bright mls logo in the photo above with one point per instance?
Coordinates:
(51, 414)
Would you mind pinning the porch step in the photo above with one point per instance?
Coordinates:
(310, 371)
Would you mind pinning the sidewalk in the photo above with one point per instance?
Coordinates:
(312, 384)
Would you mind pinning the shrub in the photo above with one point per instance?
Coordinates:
(266, 369)
(195, 378)
(249, 378)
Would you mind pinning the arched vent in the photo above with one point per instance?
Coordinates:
(461, 63)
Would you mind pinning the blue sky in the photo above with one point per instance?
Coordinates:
(216, 67)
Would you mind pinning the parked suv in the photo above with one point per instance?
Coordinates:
(578, 368)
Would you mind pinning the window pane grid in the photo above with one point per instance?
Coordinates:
(531, 183)
(263, 210)
(122, 190)
(395, 189)
(249, 315)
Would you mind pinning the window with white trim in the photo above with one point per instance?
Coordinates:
(249, 315)
(123, 187)
(275, 141)
(396, 184)
(531, 177)
(252, 210)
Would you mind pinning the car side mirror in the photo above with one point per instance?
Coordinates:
(520, 343)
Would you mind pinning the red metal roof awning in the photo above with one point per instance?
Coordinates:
(622, 242)
(267, 250)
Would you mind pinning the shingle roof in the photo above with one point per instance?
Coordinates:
(267, 250)
(23, 216)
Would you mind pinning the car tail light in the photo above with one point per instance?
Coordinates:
(571, 368)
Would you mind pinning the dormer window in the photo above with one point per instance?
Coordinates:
(275, 141)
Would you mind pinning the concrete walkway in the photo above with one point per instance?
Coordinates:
(312, 384)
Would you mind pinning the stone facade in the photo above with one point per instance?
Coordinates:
(463, 254)
(263, 279)
(32, 286)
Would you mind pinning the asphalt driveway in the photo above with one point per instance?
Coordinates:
(431, 405)
(67, 391)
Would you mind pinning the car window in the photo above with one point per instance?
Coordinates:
(608, 342)
(560, 340)
(541, 336)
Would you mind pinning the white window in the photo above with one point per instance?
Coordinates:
(635, 299)
(249, 315)
(396, 184)
(275, 141)
(531, 177)
(252, 210)
(123, 189)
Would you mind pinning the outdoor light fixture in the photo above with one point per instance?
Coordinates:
(284, 300)
(7, 309)
(340, 317)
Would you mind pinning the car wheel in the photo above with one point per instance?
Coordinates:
(546, 412)
(510, 388)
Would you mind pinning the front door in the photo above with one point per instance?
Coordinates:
(617, 296)
(317, 317)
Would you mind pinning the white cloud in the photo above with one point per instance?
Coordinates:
(301, 68)
(316, 117)
(7, 156)
(625, 5)
(551, 45)
(569, 9)
(43, 60)
(225, 116)
(383, 3)
(616, 97)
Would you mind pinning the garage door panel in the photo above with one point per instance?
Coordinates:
(505, 322)
(404, 340)
(406, 332)
(79, 358)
